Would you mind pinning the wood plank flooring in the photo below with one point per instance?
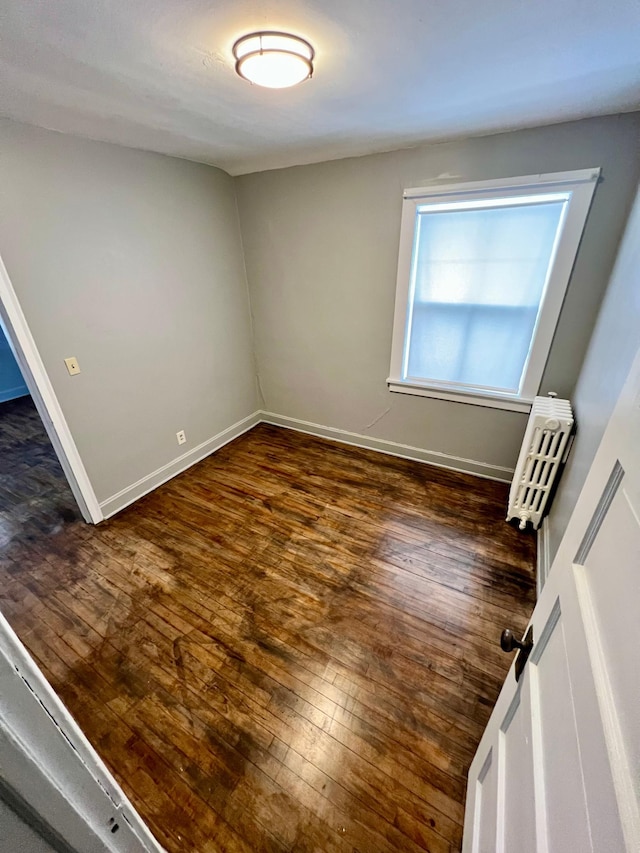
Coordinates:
(291, 647)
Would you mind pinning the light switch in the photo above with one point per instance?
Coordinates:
(72, 365)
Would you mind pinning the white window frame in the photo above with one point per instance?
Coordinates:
(581, 185)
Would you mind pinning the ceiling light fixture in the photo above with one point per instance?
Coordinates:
(275, 60)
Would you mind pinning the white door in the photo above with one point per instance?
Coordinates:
(558, 767)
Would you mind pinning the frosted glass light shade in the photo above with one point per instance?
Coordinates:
(273, 60)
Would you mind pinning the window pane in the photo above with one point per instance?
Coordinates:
(477, 281)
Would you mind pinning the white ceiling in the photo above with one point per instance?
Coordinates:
(158, 74)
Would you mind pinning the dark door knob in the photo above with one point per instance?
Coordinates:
(509, 643)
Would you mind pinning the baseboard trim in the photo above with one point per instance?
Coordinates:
(392, 448)
(543, 555)
(147, 484)
(142, 487)
(13, 393)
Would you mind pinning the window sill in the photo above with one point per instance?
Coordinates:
(514, 404)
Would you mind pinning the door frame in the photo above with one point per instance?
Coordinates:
(54, 778)
(15, 326)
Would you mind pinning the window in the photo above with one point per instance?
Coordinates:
(482, 273)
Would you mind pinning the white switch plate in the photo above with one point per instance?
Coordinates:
(181, 437)
(72, 365)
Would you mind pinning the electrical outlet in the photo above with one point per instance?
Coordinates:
(72, 365)
(181, 437)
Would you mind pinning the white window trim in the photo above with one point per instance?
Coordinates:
(581, 183)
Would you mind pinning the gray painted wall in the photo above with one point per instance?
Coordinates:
(132, 262)
(611, 352)
(11, 381)
(321, 245)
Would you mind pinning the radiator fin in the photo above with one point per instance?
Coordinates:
(545, 441)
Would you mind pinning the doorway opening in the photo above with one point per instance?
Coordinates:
(34, 435)
(34, 492)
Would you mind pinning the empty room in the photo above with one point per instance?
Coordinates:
(319, 418)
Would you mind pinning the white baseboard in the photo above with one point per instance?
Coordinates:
(543, 555)
(147, 484)
(13, 393)
(405, 451)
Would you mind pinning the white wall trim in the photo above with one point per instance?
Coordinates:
(477, 399)
(156, 478)
(523, 182)
(13, 393)
(576, 189)
(50, 766)
(151, 481)
(37, 380)
(405, 451)
(543, 554)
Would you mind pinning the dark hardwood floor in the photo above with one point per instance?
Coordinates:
(291, 647)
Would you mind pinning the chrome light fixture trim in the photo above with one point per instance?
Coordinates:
(273, 59)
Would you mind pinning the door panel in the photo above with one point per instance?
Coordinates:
(564, 804)
(611, 576)
(619, 541)
(487, 798)
(516, 777)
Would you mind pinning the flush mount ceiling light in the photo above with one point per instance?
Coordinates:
(275, 60)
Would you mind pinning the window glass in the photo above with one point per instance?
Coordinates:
(478, 275)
